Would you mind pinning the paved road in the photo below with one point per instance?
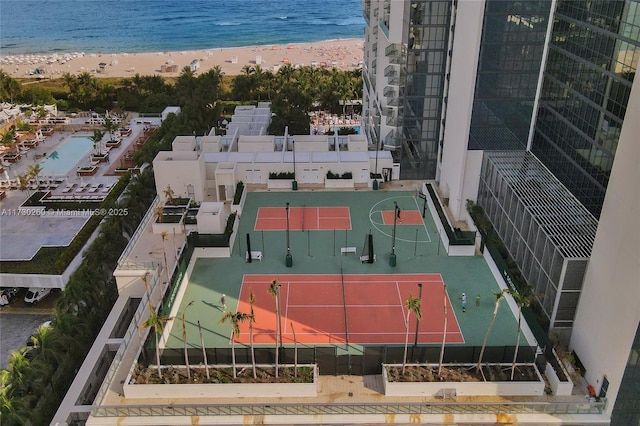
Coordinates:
(18, 322)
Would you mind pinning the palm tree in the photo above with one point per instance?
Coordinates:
(34, 170)
(522, 300)
(204, 351)
(156, 322)
(444, 329)
(158, 212)
(274, 290)
(413, 305)
(252, 319)
(23, 183)
(97, 139)
(110, 126)
(184, 338)
(8, 87)
(235, 319)
(164, 235)
(8, 138)
(498, 296)
(169, 194)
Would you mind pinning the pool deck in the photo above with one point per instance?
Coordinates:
(21, 234)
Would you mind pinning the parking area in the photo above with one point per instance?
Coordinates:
(18, 321)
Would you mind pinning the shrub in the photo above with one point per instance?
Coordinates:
(238, 195)
(281, 175)
(228, 230)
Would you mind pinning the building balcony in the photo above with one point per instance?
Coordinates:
(390, 91)
(392, 120)
(391, 70)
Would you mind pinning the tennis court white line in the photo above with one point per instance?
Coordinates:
(404, 318)
(424, 223)
(338, 281)
(340, 306)
(338, 333)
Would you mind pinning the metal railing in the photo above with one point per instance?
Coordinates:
(329, 408)
(131, 331)
(123, 262)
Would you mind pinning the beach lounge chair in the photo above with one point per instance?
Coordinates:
(82, 187)
(94, 188)
(107, 188)
(69, 187)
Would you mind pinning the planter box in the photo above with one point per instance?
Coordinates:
(87, 171)
(170, 228)
(338, 183)
(279, 183)
(515, 388)
(558, 387)
(179, 202)
(12, 158)
(113, 144)
(223, 390)
(101, 158)
(120, 172)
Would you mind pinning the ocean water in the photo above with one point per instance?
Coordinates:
(115, 26)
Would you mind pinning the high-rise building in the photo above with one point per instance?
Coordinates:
(405, 72)
(526, 107)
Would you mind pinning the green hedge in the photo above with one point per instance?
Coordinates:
(345, 175)
(456, 236)
(54, 260)
(534, 315)
(281, 175)
(238, 195)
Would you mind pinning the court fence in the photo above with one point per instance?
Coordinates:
(335, 360)
(323, 409)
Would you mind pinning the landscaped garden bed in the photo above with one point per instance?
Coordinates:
(87, 170)
(465, 379)
(144, 382)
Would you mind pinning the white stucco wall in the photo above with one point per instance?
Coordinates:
(179, 169)
(464, 62)
(256, 144)
(609, 309)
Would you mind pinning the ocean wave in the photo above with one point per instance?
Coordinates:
(149, 25)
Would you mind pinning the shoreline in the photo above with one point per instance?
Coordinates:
(343, 54)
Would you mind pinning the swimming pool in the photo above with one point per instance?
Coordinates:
(66, 156)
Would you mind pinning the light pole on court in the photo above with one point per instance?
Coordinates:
(288, 259)
(184, 338)
(295, 181)
(392, 258)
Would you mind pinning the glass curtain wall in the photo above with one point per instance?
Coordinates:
(513, 37)
(592, 60)
(422, 87)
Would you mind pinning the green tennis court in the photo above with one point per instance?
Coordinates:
(320, 251)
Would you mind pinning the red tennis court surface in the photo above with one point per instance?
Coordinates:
(407, 217)
(375, 311)
(303, 218)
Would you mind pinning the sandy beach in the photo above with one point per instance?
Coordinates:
(342, 54)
